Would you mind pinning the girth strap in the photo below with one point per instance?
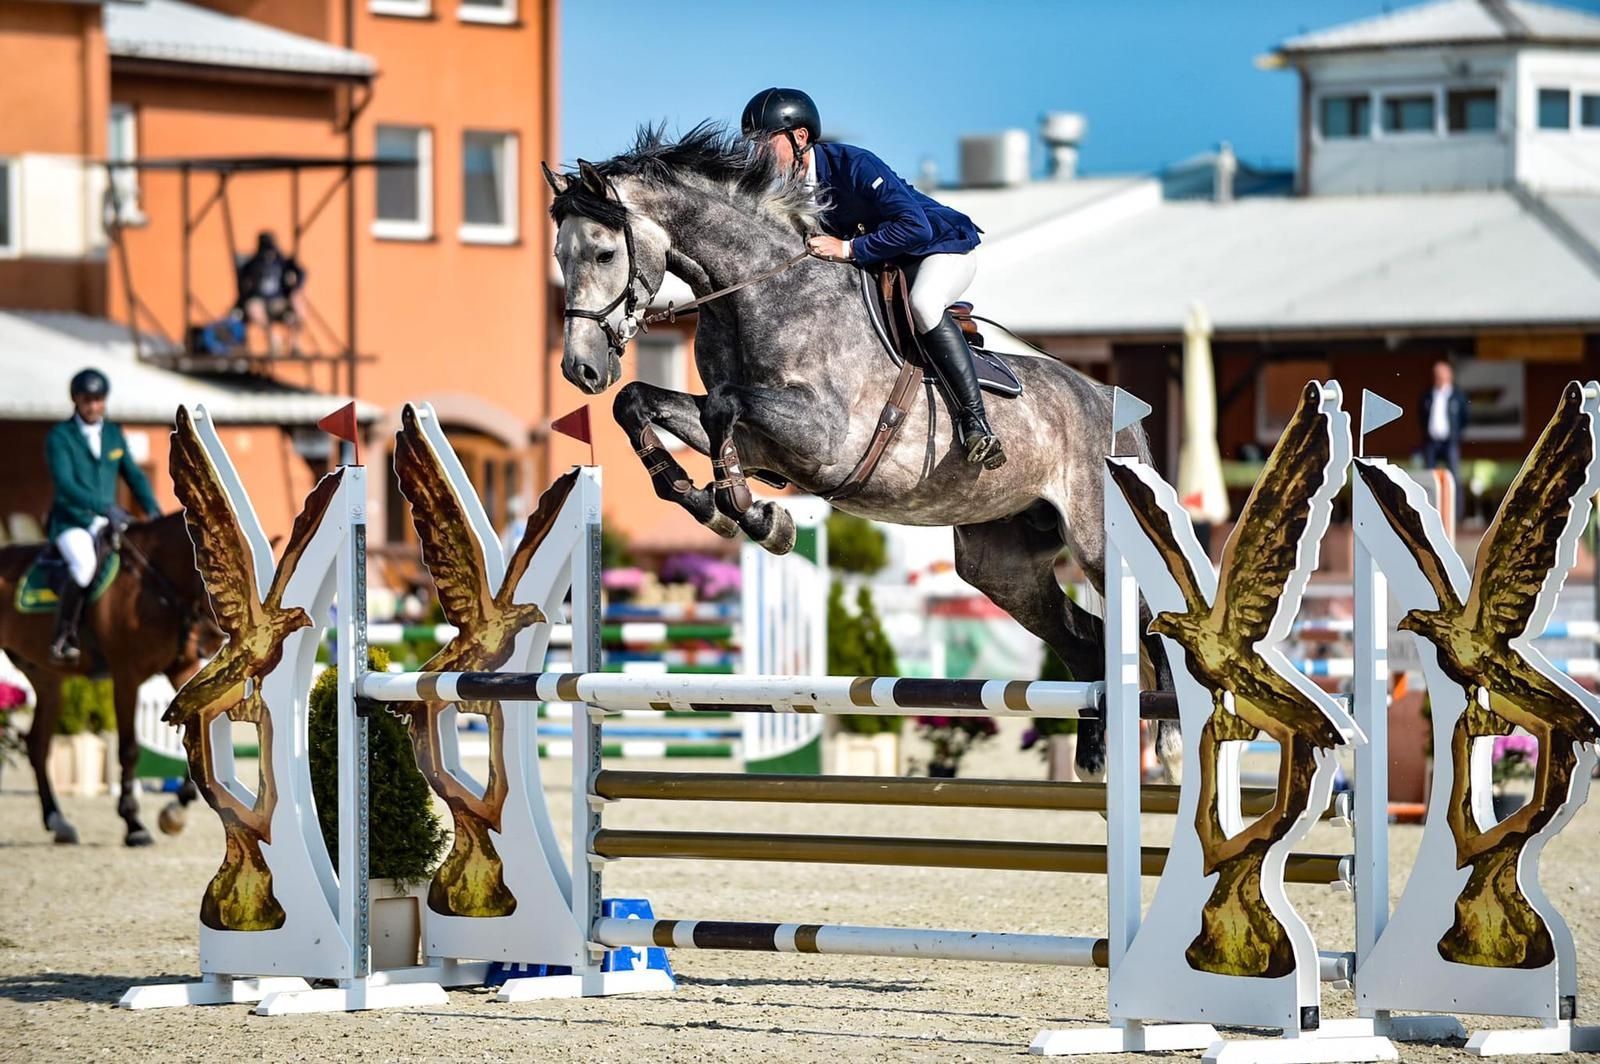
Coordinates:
(893, 415)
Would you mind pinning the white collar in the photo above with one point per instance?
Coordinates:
(811, 166)
(84, 426)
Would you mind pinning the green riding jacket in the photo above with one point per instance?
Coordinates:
(86, 486)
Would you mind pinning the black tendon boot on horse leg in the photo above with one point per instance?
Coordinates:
(68, 615)
(947, 349)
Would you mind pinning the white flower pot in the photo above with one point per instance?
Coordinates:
(864, 755)
(78, 765)
(396, 923)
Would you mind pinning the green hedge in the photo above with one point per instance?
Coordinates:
(857, 646)
(406, 838)
(86, 707)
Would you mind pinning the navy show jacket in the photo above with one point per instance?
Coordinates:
(881, 215)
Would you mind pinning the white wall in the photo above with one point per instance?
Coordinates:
(59, 203)
(1557, 160)
(1411, 162)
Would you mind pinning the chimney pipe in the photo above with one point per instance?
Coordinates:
(1062, 132)
(1227, 165)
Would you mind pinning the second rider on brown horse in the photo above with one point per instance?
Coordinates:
(87, 455)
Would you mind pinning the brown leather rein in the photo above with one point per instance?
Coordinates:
(672, 312)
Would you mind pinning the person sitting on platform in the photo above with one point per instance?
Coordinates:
(271, 293)
(87, 454)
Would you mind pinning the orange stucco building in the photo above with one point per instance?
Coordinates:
(392, 146)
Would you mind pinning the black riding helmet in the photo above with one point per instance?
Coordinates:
(91, 383)
(782, 111)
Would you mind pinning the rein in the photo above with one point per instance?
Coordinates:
(631, 325)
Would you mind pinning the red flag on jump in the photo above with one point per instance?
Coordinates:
(576, 425)
(342, 423)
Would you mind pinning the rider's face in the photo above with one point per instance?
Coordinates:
(783, 149)
(90, 408)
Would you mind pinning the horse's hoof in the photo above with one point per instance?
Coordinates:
(172, 819)
(723, 525)
(65, 833)
(781, 539)
(142, 837)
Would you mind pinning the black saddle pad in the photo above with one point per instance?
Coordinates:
(995, 374)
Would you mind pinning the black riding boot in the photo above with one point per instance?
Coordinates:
(68, 614)
(952, 360)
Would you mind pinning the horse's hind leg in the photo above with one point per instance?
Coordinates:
(125, 695)
(638, 408)
(1013, 562)
(46, 715)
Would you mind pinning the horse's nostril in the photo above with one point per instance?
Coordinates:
(588, 373)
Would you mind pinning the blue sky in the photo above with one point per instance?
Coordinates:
(1158, 79)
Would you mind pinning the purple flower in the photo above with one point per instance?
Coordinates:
(1516, 749)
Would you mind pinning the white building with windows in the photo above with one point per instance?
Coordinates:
(1450, 96)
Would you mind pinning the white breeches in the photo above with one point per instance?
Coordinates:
(940, 281)
(77, 547)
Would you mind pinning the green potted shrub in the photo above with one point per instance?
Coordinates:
(863, 744)
(406, 838)
(1056, 740)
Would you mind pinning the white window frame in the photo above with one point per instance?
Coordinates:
(1572, 111)
(1381, 131)
(1579, 94)
(508, 231)
(1374, 115)
(422, 227)
(402, 8)
(503, 14)
(13, 206)
(126, 181)
(1499, 109)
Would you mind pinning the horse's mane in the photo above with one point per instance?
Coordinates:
(747, 170)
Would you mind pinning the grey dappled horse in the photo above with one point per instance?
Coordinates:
(796, 378)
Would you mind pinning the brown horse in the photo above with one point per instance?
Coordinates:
(153, 618)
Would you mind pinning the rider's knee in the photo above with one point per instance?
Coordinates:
(927, 310)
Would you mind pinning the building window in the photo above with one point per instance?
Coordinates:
(1346, 116)
(489, 188)
(1473, 110)
(661, 359)
(1555, 109)
(499, 12)
(1408, 114)
(405, 193)
(122, 146)
(10, 214)
(402, 8)
(1589, 112)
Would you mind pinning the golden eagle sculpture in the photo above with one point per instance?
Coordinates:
(471, 880)
(1273, 544)
(1476, 640)
(239, 897)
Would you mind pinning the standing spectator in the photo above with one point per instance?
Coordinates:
(1444, 418)
(270, 293)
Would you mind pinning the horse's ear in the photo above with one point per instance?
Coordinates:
(592, 180)
(558, 183)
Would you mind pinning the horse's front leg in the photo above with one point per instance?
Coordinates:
(786, 417)
(125, 695)
(638, 409)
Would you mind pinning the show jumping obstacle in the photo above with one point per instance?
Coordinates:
(1219, 945)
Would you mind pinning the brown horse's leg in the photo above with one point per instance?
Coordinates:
(125, 695)
(46, 715)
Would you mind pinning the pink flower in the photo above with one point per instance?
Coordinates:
(11, 697)
(1516, 749)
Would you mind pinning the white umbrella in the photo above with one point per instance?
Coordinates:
(1200, 487)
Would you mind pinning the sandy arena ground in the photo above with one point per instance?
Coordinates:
(80, 924)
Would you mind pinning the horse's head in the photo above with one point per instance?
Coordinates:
(613, 260)
(166, 563)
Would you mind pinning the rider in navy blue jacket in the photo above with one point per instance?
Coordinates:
(874, 216)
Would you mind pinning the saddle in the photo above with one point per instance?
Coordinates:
(888, 300)
(39, 590)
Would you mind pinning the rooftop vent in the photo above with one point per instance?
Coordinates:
(1062, 132)
(995, 160)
